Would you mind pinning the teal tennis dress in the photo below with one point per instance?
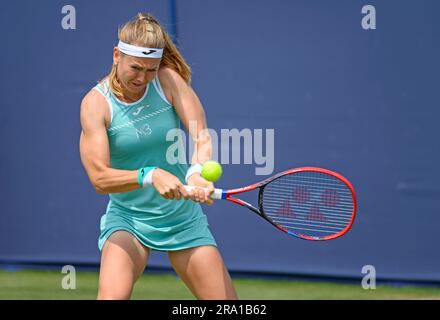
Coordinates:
(138, 138)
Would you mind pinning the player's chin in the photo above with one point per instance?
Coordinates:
(136, 88)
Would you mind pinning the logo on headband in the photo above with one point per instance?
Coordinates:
(149, 52)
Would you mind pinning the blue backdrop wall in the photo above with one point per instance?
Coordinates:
(361, 102)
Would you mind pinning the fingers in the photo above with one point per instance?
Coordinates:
(168, 194)
(178, 192)
(209, 201)
(168, 185)
(198, 195)
(183, 192)
(209, 191)
(175, 192)
(202, 195)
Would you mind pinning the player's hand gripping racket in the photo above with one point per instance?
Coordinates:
(308, 203)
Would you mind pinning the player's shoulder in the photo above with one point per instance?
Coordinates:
(93, 99)
(167, 73)
(170, 81)
(170, 78)
(94, 105)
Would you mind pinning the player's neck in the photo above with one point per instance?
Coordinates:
(130, 97)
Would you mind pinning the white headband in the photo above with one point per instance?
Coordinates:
(139, 51)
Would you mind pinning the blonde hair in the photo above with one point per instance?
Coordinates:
(145, 31)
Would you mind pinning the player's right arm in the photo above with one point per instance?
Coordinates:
(95, 155)
(94, 148)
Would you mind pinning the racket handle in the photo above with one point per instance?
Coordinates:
(216, 195)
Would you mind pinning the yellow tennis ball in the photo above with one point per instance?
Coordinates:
(211, 170)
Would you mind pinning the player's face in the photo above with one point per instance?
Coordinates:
(135, 73)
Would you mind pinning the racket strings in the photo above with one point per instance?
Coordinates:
(309, 203)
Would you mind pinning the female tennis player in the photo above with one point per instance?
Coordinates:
(125, 120)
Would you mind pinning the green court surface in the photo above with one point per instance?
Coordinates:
(31, 284)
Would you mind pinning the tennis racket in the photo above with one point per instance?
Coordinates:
(308, 203)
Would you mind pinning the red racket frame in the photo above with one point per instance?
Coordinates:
(227, 195)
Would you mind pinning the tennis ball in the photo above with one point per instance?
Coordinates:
(211, 170)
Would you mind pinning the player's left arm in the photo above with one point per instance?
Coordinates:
(191, 113)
